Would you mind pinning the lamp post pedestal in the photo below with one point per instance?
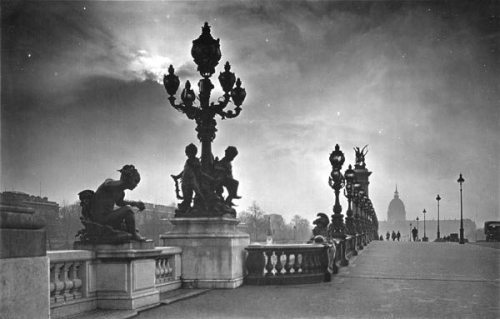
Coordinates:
(213, 251)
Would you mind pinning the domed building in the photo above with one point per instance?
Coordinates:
(397, 221)
(396, 211)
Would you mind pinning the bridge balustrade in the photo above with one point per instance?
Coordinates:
(73, 278)
(286, 264)
(168, 269)
(71, 282)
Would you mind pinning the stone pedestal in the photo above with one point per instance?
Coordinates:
(125, 275)
(24, 268)
(213, 251)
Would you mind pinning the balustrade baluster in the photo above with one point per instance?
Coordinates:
(52, 283)
(303, 263)
(269, 265)
(68, 284)
(288, 267)
(77, 282)
(59, 285)
(157, 270)
(163, 269)
(168, 268)
(279, 265)
(297, 263)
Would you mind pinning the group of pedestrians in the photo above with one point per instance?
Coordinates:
(394, 236)
(397, 235)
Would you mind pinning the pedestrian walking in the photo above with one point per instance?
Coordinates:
(393, 236)
(398, 235)
(387, 236)
(414, 233)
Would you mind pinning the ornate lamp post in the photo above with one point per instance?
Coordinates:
(362, 204)
(336, 182)
(460, 181)
(372, 221)
(350, 176)
(206, 54)
(363, 207)
(438, 198)
(368, 210)
(425, 237)
(355, 189)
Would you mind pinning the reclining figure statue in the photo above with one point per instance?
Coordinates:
(103, 223)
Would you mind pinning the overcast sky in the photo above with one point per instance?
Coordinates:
(418, 82)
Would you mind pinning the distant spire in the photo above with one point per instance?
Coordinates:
(396, 194)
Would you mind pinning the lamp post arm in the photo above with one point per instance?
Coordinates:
(191, 112)
(219, 108)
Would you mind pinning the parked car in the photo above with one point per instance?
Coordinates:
(492, 230)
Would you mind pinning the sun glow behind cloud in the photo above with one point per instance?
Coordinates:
(147, 66)
(328, 73)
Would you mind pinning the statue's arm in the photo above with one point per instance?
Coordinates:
(177, 176)
(122, 202)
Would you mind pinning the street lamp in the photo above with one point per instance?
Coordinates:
(336, 181)
(206, 54)
(350, 177)
(438, 198)
(425, 237)
(362, 205)
(460, 180)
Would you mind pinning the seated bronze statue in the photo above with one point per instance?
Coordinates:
(104, 223)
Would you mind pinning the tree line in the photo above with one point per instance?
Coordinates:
(259, 225)
(254, 220)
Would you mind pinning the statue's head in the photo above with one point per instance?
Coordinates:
(191, 150)
(318, 239)
(85, 197)
(130, 176)
(231, 152)
(322, 220)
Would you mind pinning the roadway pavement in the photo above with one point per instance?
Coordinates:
(386, 280)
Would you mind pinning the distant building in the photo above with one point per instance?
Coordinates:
(154, 220)
(396, 211)
(396, 221)
(154, 211)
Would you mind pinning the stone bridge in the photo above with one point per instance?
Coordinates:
(386, 280)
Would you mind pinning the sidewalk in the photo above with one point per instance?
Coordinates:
(386, 280)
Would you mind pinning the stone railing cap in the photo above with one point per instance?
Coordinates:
(19, 217)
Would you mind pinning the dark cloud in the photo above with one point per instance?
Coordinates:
(418, 81)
